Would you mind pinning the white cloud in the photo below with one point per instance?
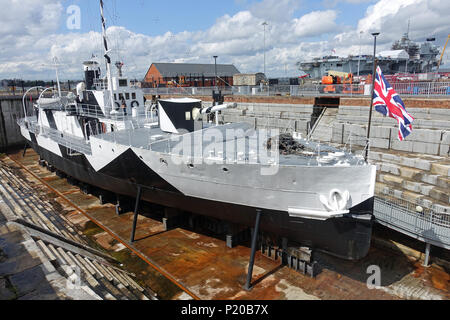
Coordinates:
(29, 17)
(427, 17)
(240, 26)
(335, 2)
(275, 10)
(315, 23)
(28, 40)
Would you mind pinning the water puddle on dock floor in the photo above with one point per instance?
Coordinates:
(181, 263)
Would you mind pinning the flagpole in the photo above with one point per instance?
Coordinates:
(375, 34)
(107, 58)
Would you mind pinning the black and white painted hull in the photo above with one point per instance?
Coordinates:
(107, 136)
(347, 237)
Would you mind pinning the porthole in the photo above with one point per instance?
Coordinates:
(190, 166)
(225, 169)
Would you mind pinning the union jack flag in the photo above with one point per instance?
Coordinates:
(389, 103)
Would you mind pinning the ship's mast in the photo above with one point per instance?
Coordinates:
(55, 61)
(107, 58)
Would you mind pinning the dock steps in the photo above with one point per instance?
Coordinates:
(86, 272)
(97, 277)
(421, 180)
(33, 209)
(322, 130)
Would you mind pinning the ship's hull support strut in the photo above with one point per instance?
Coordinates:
(426, 262)
(25, 149)
(136, 214)
(248, 286)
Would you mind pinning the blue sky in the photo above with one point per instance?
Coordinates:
(157, 17)
(140, 32)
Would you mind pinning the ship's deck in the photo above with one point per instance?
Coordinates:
(237, 142)
(230, 143)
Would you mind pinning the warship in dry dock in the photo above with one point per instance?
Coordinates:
(110, 137)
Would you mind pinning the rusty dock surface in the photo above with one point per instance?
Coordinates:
(182, 264)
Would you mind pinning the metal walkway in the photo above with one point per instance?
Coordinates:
(426, 225)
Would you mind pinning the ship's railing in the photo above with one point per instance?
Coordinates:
(102, 84)
(73, 143)
(207, 91)
(423, 88)
(428, 89)
(139, 116)
(186, 91)
(431, 225)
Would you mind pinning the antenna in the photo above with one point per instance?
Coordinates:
(107, 58)
(55, 61)
(55, 65)
(409, 24)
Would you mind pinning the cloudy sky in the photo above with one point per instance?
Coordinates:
(140, 32)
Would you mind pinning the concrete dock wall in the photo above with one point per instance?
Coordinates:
(285, 117)
(348, 125)
(431, 130)
(10, 111)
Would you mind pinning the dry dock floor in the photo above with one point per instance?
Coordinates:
(193, 265)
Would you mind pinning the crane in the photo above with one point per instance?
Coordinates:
(443, 51)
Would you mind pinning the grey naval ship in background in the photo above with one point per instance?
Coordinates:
(320, 197)
(405, 56)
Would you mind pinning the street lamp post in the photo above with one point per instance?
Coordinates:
(265, 24)
(216, 115)
(374, 34)
(215, 70)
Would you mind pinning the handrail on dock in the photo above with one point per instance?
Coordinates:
(429, 225)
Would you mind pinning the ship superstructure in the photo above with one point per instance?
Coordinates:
(110, 137)
(405, 56)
